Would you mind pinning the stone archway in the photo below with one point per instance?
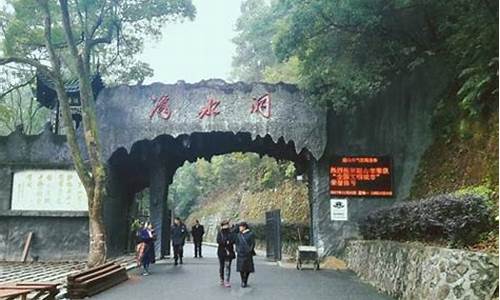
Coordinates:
(153, 163)
(148, 132)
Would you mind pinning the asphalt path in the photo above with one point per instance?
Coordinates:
(199, 279)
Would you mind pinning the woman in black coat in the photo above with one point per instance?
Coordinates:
(225, 252)
(245, 244)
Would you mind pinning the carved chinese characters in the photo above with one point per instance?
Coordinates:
(161, 107)
(262, 106)
(210, 109)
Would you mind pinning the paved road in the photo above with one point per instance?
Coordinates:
(198, 279)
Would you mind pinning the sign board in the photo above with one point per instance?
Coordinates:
(361, 176)
(338, 209)
(48, 190)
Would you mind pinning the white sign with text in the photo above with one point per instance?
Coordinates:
(338, 209)
(48, 190)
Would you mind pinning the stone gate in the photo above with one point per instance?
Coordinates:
(147, 132)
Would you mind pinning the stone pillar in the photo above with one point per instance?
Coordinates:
(116, 214)
(318, 195)
(158, 210)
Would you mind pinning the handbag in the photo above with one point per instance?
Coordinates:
(252, 251)
(230, 255)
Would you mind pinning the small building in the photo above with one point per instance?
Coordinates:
(47, 97)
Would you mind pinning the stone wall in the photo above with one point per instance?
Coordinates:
(56, 235)
(416, 271)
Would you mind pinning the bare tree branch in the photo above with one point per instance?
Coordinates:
(17, 87)
(20, 106)
(98, 22)
(107, 39)
(27, 61)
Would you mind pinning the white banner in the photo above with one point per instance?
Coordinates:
(48, 190)
(338, 209)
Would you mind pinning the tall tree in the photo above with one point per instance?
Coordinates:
(59, 38)
(255, 59)
(348, 51)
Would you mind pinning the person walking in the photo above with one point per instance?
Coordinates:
(245, 247)
(225, 253)
(151, 243)
(197, 231)
(178, 234)
(145, 248)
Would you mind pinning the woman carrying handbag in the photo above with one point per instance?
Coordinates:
(245, 244)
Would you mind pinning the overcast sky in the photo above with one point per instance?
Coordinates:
(192, 51)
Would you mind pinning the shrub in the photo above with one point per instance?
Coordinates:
(458, 220)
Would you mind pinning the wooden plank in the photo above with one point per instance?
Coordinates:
(102, 277)
(96, 282)
(97, 273)
(71, 277)
(107, 285)
(14, 292)
(27, 246)
(46, 284)
(80, 293)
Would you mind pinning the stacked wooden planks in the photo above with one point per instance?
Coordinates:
(29, 290)
(95, 280)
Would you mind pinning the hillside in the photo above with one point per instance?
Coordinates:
(239, 187)
(463, 158)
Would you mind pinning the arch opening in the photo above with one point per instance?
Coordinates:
(153, 163)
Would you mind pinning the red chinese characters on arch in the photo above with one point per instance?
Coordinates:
(161, 107)
(262, 106)
(361, 176)
(210, 109)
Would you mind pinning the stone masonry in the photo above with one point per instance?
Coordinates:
(416, 271)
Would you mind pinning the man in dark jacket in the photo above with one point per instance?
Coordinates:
(178, 234)
(197, 231)
(225, 252)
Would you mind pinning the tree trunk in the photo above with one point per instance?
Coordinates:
(97, 231)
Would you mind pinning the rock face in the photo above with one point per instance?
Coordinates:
(397, 123)
(415, 271)
(127, 114)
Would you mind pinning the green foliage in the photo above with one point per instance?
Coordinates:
(455, 220)
(473, 49)
(483, 191)
(194, 182)
(255, 59)
(19, 108)
(135, 226)
(126, 23)
(348, 51)
(287, 71)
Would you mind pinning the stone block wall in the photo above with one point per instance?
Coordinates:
(57, 236)
(416, 271)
